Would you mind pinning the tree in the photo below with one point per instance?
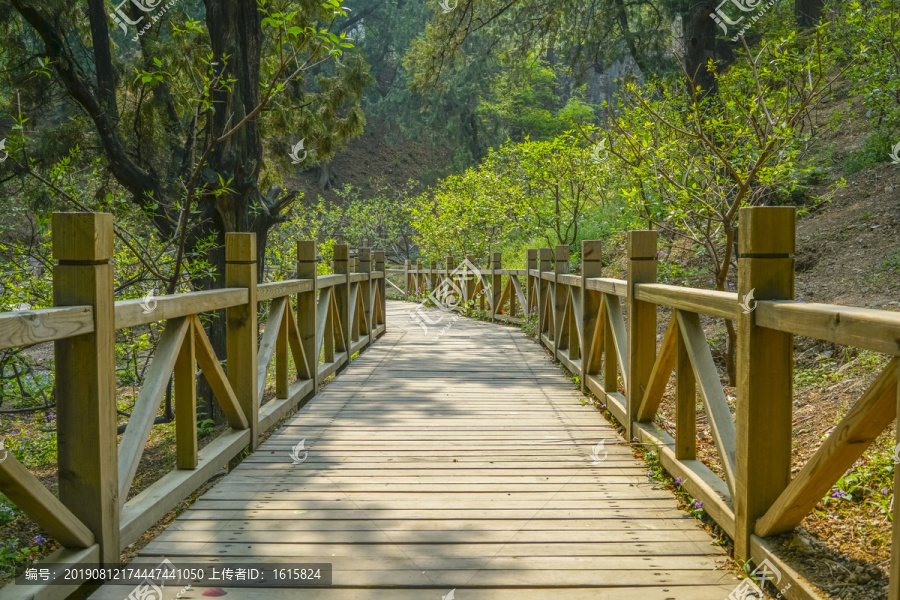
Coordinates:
(694, 162)
(184, 137)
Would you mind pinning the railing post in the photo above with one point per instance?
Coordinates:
(342, 294)
(530, 265)
(496, 283)
(432, 276)
(420, 278)
(641, 249)
(469, 281)
(382, 285)
(449, 265)
(241, 327)
(306, 309)
(591, 253)
(894, 574)
(560, 267)
(367, 290)
(542, 287)
(86, 377)
(764, 361)
(406, 280)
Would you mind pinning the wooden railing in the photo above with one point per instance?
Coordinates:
(335, 317)
(613, 349)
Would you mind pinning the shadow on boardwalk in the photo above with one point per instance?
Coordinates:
(462, 464)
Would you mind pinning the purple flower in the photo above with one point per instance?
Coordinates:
(40, 540)
(884, 491)
(649, 473)
(696, 503)
(678, 480)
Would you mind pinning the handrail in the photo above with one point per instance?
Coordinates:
(335, 317)
(604, 331)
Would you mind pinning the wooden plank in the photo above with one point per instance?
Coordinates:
(30, 327)
(894, 569)
(865, 421)
(131, 313)
(570, 280)
(31, 497)
(327, 281)
(659, 375)
(876, 330)
(616, 287)
(148, 401)
(721, 423)
(267, 344)
(185, 389)
(288, 287)
(307, 316)
(216, 378)
(704, 302)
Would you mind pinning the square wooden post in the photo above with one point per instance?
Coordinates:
(306, 310)
(559, 294)
(242, 329)
(531, 257)
(85, 386)
(367, 290)
(542, 287)
(382, 285)
(496, 283)
(764, 369)
(591, 266)
(641, 248)
(469, 280)
(407, 280)
(341, 293)
(894, 575)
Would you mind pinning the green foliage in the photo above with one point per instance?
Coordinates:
(875, 149)
(695, 160)
(872, 48)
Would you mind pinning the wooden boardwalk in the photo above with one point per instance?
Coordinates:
(462, 464)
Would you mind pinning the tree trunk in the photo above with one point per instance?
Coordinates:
(807, 12)
(700, 44)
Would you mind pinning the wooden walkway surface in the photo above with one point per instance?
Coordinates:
(458, 465)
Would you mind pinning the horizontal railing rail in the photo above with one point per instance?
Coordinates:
(316, 323)
(605, 331)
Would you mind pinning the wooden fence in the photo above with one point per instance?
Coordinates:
(605, 331)
(333, 318)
